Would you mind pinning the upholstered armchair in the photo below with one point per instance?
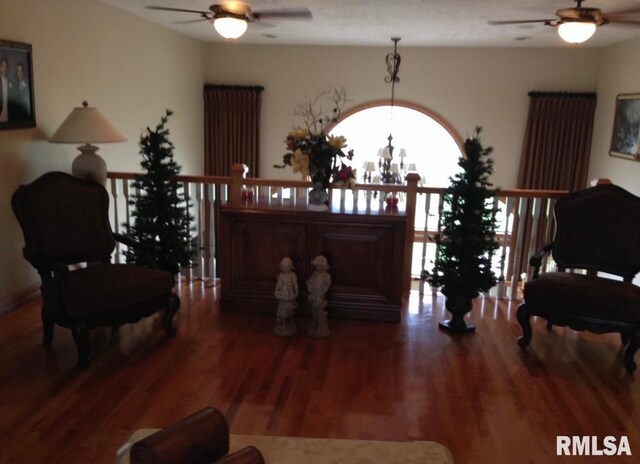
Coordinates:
(597, 232)
(68, 239)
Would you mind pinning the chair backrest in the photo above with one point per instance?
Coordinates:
(599, 229)
(64, 219)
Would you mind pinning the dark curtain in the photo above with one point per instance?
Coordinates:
(557, 141)
(232, 128)
(555, 156)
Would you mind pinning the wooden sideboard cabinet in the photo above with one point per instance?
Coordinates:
(365, 252)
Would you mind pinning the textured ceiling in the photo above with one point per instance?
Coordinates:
(432, 23)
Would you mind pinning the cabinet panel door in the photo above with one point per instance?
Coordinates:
(361, 256)
(258, 246)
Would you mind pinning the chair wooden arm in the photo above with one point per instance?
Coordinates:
(128, 241)
(537, 259)
(147, 250)
(248, 455)
(202, 437)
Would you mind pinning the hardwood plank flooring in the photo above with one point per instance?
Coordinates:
(480, 395)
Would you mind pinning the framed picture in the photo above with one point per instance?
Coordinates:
(17, 108)
(626, 127)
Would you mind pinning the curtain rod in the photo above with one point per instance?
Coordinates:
(537, 94)
(258, 88)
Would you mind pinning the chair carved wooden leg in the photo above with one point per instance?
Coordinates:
(624, 337)
(634, 344)
(523, 318)
(47, 328)
(172, 309)
(81, 337)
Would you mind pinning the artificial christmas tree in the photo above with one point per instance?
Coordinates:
(467, 239)
(160, 214)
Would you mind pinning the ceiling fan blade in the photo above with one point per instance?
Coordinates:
(522, 21)
(183, 10)
(630, 11)
(625, 22)
(191, 21)
(288, 13)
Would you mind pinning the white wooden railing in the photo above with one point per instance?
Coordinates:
(525, 218)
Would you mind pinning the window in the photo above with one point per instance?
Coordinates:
(428, 143)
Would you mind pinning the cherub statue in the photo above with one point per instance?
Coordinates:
(286, 292)
(318, 285)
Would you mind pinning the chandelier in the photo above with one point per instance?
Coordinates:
(390, 172)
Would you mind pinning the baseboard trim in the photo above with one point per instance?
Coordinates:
(15, 299)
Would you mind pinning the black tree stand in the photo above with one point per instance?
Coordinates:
(458, 307)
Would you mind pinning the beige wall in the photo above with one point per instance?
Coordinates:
(133, 69)
(467, 87)
(129, 68)
(619, 72)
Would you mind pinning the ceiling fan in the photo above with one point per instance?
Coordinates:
(576, 25)
(231, 18)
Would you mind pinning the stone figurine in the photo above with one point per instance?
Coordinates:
(287, 293)
(318, 285)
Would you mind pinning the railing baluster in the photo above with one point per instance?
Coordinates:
(494, 214)
(187, 273)
(506, 237)
(439, 229)
(116, 219)
(343, 199)
(200, 232)
(518, 248)
(206, 232)
(533, 240)
(127, 206)
(425, 240)
(211, 235)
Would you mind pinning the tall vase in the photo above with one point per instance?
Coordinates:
(318, 196)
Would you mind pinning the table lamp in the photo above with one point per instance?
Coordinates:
(87, 125)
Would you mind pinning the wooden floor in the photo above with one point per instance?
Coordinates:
(479, 394)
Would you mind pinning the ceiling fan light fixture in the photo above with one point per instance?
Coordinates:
(229, 27)
(576, 32)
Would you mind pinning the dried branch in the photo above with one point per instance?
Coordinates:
(313, 112)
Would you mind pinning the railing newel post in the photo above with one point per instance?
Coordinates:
(238, 172)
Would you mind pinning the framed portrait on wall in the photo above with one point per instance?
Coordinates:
(17, 106)
(626, 127)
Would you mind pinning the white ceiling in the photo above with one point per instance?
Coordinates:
(430, 23)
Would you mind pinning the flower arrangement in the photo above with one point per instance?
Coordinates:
(314, 153)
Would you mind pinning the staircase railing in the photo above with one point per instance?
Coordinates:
(525, 218)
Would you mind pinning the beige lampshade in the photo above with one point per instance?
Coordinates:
(87, 125)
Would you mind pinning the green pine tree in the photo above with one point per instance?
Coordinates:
(160, 214)
(467, 239)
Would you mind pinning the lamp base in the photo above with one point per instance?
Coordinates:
(88, 165)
